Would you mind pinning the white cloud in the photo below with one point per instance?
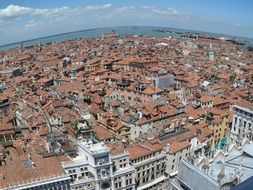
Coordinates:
(147, 7)
(31, 24)
(14, 11)
(168, 11)
(54, 11)
(236, 24)
(126, 9)
(98, 7)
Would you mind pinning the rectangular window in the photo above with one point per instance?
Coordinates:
(235, 120)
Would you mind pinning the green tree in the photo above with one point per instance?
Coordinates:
(232, 78)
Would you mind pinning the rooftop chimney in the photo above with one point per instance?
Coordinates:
(33, 165)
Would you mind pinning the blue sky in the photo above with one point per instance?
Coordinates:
(27, 19)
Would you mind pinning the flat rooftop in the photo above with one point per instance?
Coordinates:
(94, 148)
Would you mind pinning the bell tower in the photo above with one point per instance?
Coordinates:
(211, 53)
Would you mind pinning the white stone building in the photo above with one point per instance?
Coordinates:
(95, 168)
(242, 126)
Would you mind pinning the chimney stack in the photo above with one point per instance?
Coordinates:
(2, 177)
(33, 165)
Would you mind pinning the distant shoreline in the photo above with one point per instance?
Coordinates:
(123, 30)
(53, 35)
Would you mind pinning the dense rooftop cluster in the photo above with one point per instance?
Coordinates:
(147, 99)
